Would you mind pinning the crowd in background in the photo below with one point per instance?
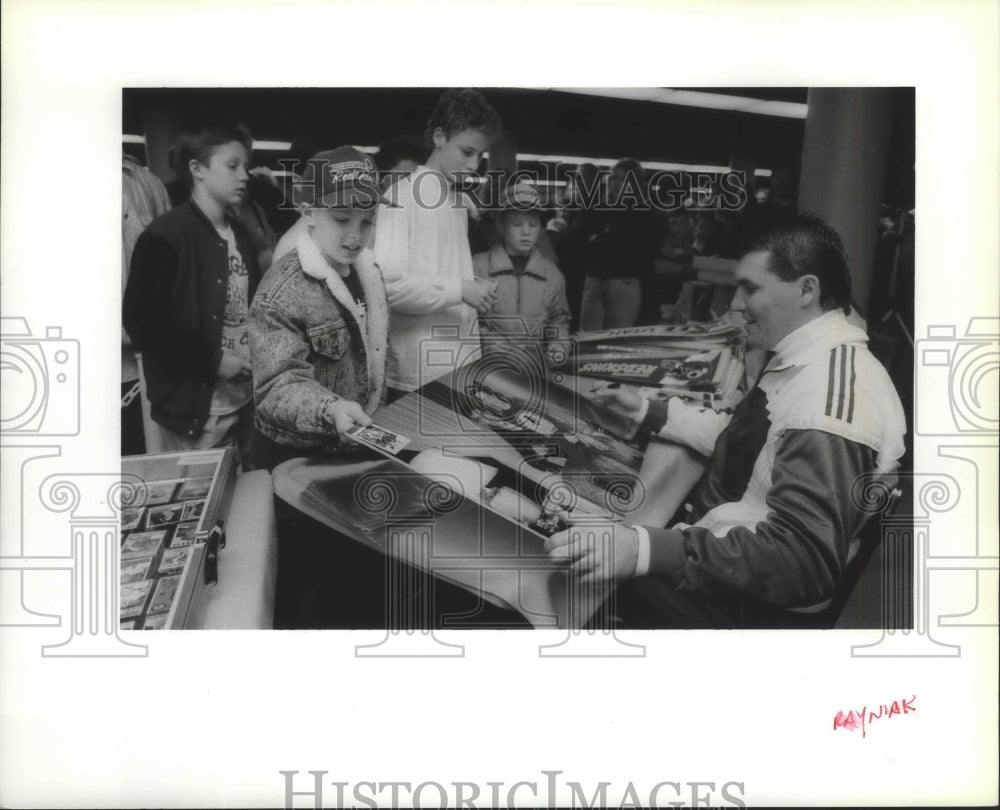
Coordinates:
(598, 254)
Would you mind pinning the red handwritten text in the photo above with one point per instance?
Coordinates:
(854, 720)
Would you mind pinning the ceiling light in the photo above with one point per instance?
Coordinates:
(272, 146)
(694, 98)
(646, 164)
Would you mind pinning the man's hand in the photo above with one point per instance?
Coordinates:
(346, 415)
(615, 409)
(479, 294)
(598, 552)
(232, 366)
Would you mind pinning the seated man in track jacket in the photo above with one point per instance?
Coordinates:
(772, 524)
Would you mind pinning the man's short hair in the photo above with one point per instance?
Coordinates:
(806, 245)
(459, 110)
(199, 143)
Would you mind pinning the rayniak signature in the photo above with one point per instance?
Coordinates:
(853, 720)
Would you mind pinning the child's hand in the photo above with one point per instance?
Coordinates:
(479, 294)
(347, 414)
(232, 366)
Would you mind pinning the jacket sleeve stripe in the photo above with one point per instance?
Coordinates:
(842, 379)
(850, 408)
(830, 382)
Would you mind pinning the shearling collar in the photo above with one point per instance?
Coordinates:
(372, 316)
(317, 267)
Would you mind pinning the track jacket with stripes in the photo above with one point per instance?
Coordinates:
(774, 518)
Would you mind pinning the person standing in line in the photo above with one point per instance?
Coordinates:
(144, 198)
(530, 313)
(624, 250)
(573, 241)
(422, 248)
(193, 273)
(319, 322)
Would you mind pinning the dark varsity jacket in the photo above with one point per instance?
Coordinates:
(173, 309)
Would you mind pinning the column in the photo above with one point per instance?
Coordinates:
(94, 502)
(843, 171)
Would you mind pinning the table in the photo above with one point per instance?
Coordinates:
(467, 545)
(243, 599)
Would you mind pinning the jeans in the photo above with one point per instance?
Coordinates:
(234, 429)
(610, 303)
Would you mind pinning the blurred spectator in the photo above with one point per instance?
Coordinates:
(397, 158)
(731, 236)
(144, 198)
(617, 286)
(706, 236)
(574, 249)
(673, 267)
(780, 207)
(262, 203)
(676, 245)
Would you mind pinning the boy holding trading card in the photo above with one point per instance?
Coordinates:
(422, 247)
(319, 323)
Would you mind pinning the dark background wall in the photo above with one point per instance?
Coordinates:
(543, 121)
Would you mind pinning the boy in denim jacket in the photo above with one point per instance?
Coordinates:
(319, 322)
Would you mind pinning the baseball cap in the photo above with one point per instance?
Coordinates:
(343, 178)
(520, 197)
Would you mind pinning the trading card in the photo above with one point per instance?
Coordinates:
(184, 534)
(163, 515)
(192, 510)
(142, 544)
(132, 519)
(134, 570)
(195, 488)
(163, 597)
(133, 597)
(157, 622)
(160, 491)
(172, 561)
(379, 438)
